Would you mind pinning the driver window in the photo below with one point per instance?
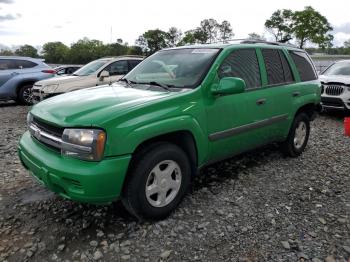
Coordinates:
(117, 68)
(242, 63)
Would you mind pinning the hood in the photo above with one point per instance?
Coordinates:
(335, 78)
(60, 80)
(94, 106)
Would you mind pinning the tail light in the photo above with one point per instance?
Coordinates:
(49, 71)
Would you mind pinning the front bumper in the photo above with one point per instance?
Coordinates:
(91, 182)
(335, 102)
(39, 95)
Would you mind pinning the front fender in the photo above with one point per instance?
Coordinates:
(162, 127)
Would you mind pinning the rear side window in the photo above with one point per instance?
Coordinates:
(242, 63)
(304, 66)
(133, 63)
(288, 75)
(277, 67)
(25, 64)
(273, 66)
(6, 64)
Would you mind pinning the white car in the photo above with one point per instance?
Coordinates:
(99, 72)
(335, 80)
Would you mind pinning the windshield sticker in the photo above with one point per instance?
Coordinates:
(204, 51)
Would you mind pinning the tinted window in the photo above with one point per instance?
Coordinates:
(304, 66)
(6, 64)
(273, 66)
(133, 63)
(25, 64)
(288, 75)
(118, 68)
(244, 64)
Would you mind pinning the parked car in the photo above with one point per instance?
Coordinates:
(17, 76)
(143, 138)
(99, 72)
(335, 89)
(66, 69)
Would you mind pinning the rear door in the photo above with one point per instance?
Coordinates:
(280, 83)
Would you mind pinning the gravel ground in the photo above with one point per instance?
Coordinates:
(258, 206)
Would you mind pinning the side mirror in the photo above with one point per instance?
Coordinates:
(104, 74)
(229, 86)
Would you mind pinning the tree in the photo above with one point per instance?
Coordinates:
(189, 38)
(225, 31)
(27, 50)
(173, 36)
(279, 25)
(310, 25)
(255, 36)
(208, 30)
(86, 50)
(347, 44)
(152, 41)
(55, 52)
(6, 52)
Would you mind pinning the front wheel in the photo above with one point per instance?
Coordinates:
(157, 182)
(298, 136)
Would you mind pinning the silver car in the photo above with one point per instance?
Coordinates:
(335, 93)
(99, 72)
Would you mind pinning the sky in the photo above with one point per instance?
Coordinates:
(36, 22)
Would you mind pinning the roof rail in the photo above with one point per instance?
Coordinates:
(136, 56)
(253, 41)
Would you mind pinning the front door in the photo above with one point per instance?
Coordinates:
(116, 70)
(237, 122)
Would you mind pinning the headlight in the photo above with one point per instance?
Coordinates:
(50, 88)
(85, 144)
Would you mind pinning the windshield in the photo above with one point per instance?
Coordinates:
(90, 68)
(174, 68)
(338, 69)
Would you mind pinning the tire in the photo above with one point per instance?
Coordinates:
(24, 96)
(152, 190)
(294, 144)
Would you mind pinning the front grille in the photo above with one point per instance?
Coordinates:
(52, 130)
(54, 133)
(334, 90)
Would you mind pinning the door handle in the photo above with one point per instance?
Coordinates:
(261, 101)
(295, 94)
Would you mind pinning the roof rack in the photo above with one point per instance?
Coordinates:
(253, 41)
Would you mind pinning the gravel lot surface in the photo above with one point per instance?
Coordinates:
(256, 207)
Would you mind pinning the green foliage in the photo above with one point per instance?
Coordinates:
(55, 52)
(6, 52)
(173, 36)
(27, 50)
(305, 26)
(152, 40)
(310, 25)
(225, 31)
(347, 44)
(85, 50)
(279, 25)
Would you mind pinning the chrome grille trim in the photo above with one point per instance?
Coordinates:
(56, 142)
(334, 90)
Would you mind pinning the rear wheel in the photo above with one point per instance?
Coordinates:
(25, 95)
(157, 182)
(298, 136)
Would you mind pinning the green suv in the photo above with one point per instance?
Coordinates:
(143, 138)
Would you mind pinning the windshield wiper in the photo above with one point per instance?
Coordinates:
(154, 83)
(129, 82)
